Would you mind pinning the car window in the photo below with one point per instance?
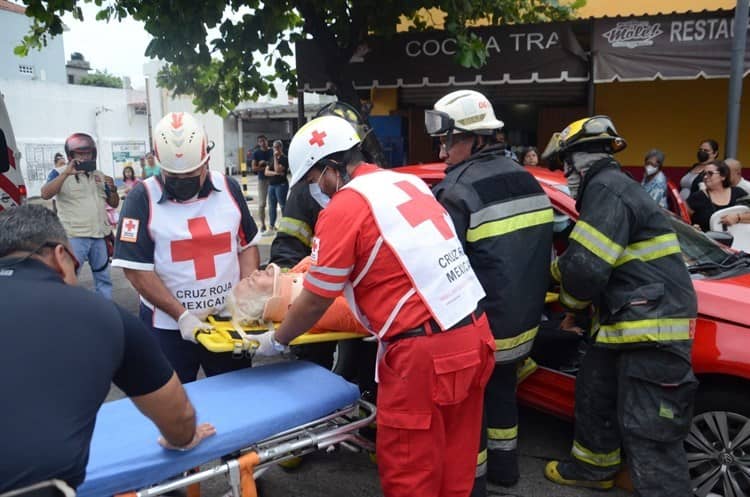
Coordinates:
(696, 247)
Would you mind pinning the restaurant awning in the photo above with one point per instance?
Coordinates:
(678, 46)
(518, 55)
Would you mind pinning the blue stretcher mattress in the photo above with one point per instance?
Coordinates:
(245, 406)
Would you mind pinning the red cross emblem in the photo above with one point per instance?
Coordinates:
(423, 207)
(201, 248)
(130, 225)
(317, 138)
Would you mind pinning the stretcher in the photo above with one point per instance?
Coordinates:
(262, 415)
(226, 338)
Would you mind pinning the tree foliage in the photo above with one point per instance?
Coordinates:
(99, 78)
(212, 46)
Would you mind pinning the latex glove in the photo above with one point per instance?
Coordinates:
(268, 346)
(188, 324)
(202, 431)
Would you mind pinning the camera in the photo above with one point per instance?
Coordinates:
(87, 166)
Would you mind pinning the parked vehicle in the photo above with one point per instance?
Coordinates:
(718, 446)
(12, 187)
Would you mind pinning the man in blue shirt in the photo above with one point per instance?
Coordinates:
(56, 366)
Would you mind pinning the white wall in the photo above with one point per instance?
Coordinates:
(47, 64)
(44, 114)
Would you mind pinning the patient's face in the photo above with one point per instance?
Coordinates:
(259, 282)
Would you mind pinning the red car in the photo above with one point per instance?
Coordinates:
(718, 446)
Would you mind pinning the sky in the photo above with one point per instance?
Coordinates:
(117, 47)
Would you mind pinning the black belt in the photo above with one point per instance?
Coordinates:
(435, 328)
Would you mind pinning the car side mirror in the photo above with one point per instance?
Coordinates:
(4, 159)
(721, 236)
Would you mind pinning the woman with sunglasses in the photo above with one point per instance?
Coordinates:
(718, 194)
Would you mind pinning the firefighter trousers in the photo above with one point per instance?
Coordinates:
(430, 396)
(640, 399)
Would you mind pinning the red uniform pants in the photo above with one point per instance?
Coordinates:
(430, 399)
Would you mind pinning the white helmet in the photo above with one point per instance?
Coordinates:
(180, 143)
(462, 111)
(318, 139)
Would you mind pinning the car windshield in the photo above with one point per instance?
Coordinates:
(703, 255)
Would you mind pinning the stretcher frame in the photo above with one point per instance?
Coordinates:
(337, 428)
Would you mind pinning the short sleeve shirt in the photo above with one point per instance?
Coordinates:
(139, 255)
(345, 236)
(703, 207)
(78, 346)
(279, 179)
(266, 155)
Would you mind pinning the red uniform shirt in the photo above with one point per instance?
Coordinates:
(345, 236)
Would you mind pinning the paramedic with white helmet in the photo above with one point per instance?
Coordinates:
(185, 238)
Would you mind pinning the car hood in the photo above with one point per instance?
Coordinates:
(727, 299)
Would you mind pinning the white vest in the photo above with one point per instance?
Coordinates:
(195, 248)
(426, 246)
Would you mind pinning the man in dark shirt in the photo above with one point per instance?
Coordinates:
(262, 157)
(56, 366)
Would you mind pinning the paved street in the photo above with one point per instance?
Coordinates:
(342, 473)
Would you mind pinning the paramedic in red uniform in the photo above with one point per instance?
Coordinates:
(185, 238)
(391, 248)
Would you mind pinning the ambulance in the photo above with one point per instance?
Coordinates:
(12, 187)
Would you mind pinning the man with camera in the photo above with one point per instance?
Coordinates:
(82, 194)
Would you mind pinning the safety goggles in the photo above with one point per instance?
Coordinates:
(438, 123)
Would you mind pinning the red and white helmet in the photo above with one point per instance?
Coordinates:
(180, 143)
(318, 139)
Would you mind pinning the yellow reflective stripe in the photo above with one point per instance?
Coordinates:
(571, 302)
(512, 349)
(554, 271)
(482, 457)
(645, 330)
(509, 225)
(502, 433)
(296, 228)
(596, 242)
(504, 210)
(595, 459)
(651, 249)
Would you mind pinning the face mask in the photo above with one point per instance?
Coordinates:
(182, 189)
(573, 178)
(702, 156)
(321, 198)
(650, 170)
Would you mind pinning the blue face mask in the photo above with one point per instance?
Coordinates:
(320, 197)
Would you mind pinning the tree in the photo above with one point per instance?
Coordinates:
(222, 71)
(101, 79)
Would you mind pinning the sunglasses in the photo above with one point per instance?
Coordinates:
(710, 173)
(52, 245)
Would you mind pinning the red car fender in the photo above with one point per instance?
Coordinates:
(721, 348)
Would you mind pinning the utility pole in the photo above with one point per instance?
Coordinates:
(150, 144)
(736, 74)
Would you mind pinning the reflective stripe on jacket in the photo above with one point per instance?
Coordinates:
(624, 257)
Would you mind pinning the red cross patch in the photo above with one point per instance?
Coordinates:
(423, 207)
(129, 232)
(201, 248)
(317, 138)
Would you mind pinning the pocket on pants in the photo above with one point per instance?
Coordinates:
(454, 376)
(658, 399)
(406, 435)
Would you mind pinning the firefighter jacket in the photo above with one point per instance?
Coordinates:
(504, 221)
(293, 240)
(624, 258)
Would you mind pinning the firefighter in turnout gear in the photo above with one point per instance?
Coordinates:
(635, 387)
(504, 221)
